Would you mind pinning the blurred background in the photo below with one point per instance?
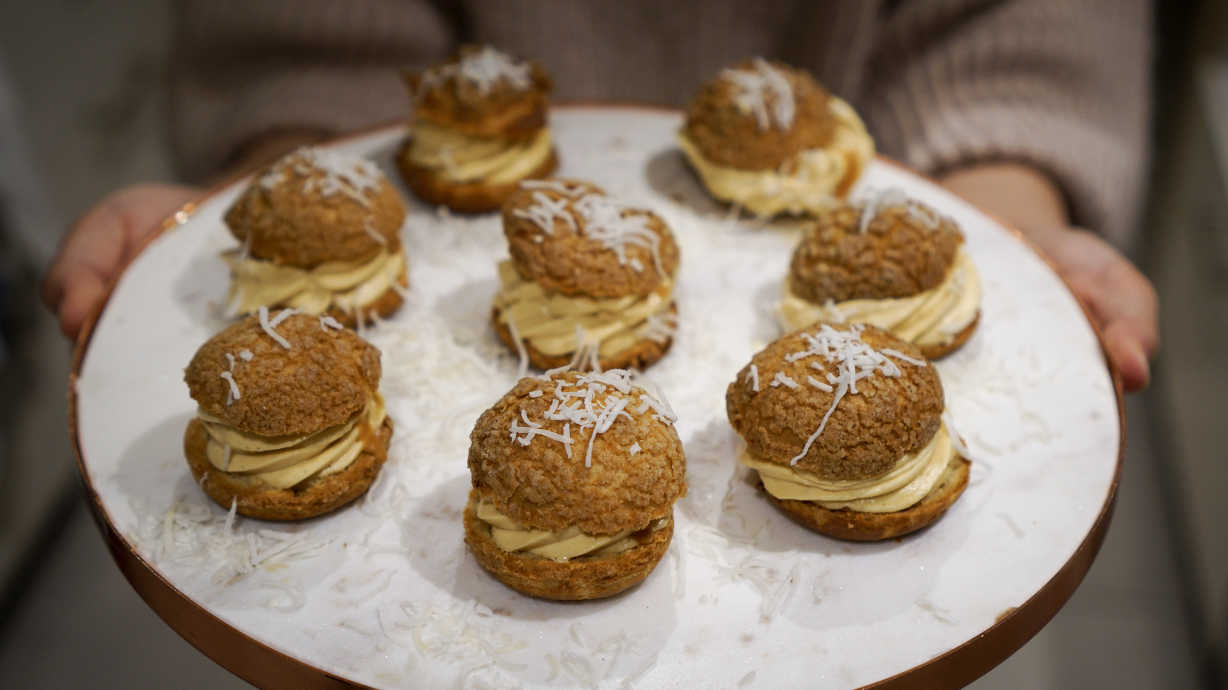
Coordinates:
(81, 113)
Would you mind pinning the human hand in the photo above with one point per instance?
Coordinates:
(101, 243)
(1121, 300)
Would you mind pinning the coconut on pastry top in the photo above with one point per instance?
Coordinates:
(574, 480)
(590, 278)
(890, 261)
(844, 425)
(290, 422)
(320, 232)
(767, 137)
(480, 126)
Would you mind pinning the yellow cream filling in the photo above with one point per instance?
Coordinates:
(549, 321)
(562, 545)
(912, 477)
(346, 285)
(283, 462)
(933, 317)
(804, 183)
(462, 158)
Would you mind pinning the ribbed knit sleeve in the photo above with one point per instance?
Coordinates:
(1059, 84)
(245, 68)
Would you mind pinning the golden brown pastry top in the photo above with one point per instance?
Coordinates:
(906, 248)
(636, 470)
(323, 379)
(867, 432)
(317, 205)
(729, 135)
(483, 93)
(580, 253)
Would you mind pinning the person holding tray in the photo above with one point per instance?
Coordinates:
(1035, 111)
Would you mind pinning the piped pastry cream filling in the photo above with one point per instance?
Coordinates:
(346, 285)
(284, 462)
(933, 317)
(912, 477)
(558, 546)
(461, 158)
(549, 321)
(804, 183)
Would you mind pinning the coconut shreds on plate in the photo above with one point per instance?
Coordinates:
(194, 535)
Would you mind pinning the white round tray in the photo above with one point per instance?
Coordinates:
(384, 592)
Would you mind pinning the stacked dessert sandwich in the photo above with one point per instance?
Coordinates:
(889, 261)
(767, 138)
(480, 126)
(844, 426)
(590, 278)
(574, 480)
(320, 232)
(290, 423)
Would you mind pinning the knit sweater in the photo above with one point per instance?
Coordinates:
(1057, 84)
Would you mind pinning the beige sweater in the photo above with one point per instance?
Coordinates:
(1061, 84)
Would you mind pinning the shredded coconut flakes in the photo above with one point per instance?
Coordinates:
(781, 379)
(752, 375)
(877, 201)
(765, 93)
(854, 360)
(269, 326)
(616, 224)
(375, 234)
(484, 68)
(328, 171)
(233, 394)
(594, 401)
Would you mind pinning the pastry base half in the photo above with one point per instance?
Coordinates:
(463, 197)
(383, 306)
(638, 356)
(940, 351)
(855, 526)
(316, 496)
(582, 578)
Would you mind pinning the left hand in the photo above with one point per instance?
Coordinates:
(1120, 298)
(101, 243)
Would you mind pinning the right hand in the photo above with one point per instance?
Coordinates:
(101, 243)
